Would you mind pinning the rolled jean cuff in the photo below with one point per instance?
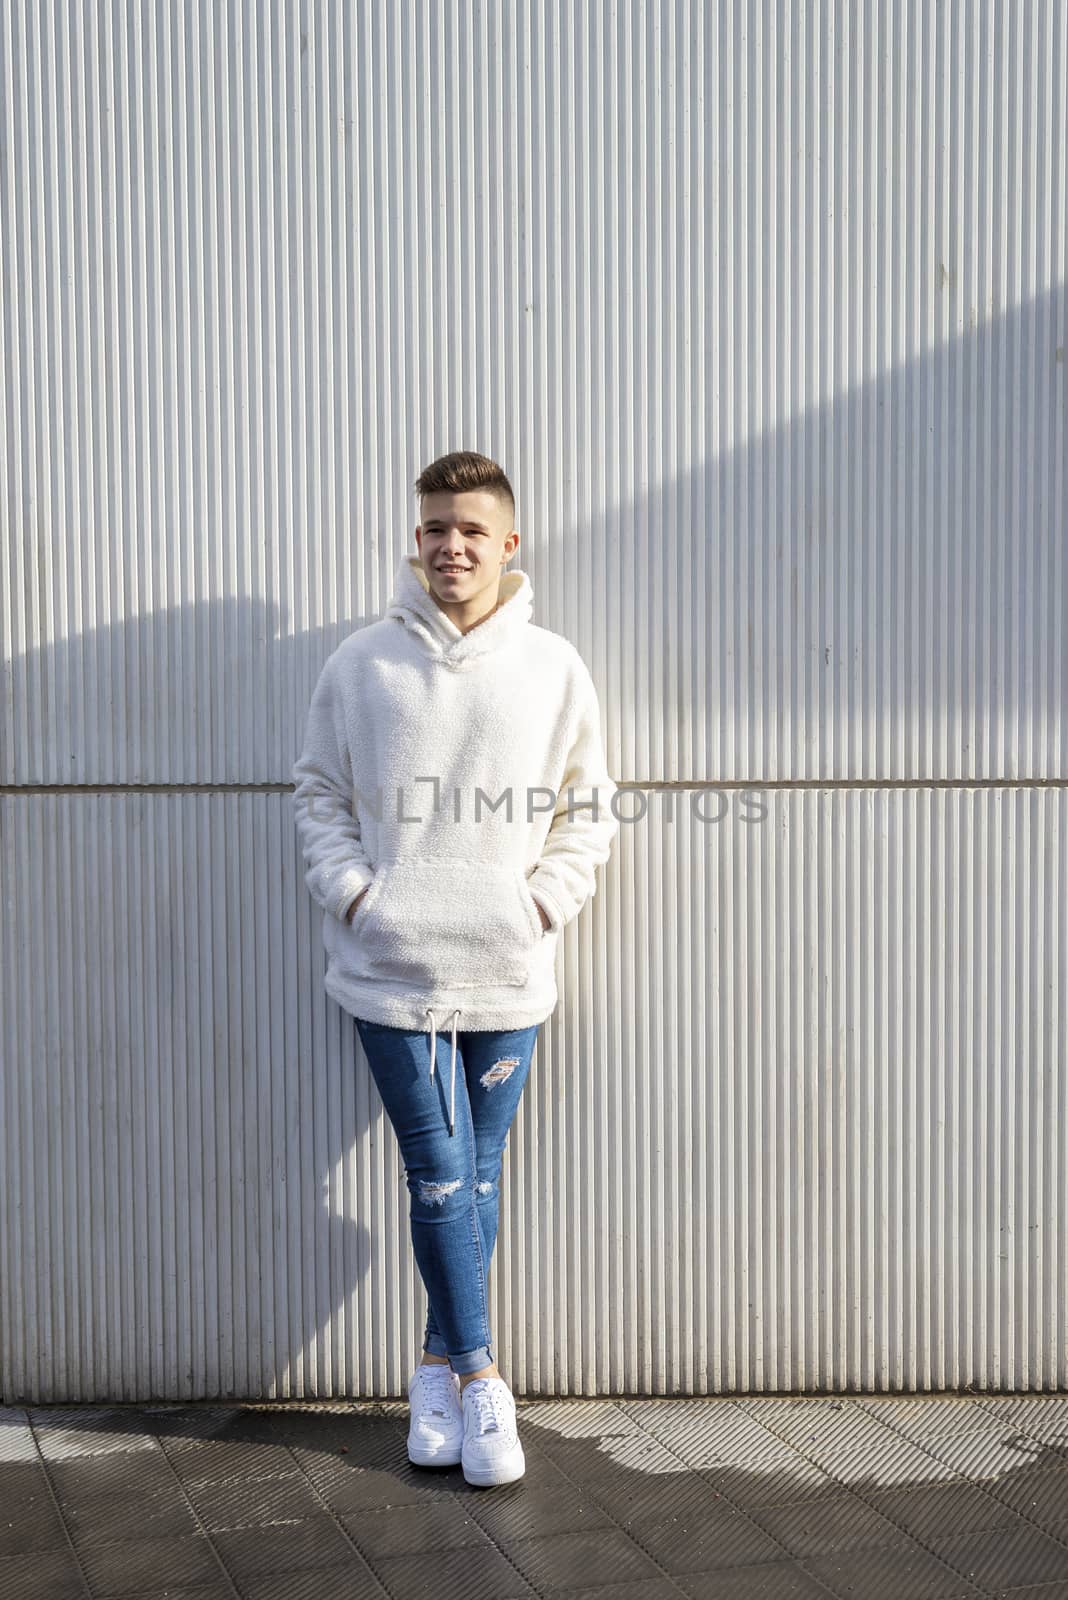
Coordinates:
(434, 1345)
(471, 1360)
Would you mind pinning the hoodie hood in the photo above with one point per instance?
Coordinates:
(413, 605)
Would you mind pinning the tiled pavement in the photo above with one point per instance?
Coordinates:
(904, 1498)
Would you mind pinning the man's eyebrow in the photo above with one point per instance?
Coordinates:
(437, 523)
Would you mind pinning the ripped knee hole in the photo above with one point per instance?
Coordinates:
(436, 1193)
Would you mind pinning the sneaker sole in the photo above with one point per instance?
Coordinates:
(420, 1456)
(513, 1466)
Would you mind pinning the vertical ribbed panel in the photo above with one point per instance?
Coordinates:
(812, 1140)
(763, 308)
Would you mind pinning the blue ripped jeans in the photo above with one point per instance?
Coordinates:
(453, 1179)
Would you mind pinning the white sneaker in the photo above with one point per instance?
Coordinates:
(491, 1450)
(436, 1432)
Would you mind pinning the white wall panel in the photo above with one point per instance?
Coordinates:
(763, 305)
(764, 309)
(812, 1140)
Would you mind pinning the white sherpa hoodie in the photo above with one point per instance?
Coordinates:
(462, 777)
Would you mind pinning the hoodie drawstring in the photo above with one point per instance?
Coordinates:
(433, 1062)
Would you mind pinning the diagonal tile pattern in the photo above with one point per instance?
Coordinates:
(859, 1497)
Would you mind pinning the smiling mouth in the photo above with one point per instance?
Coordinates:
(454, 571)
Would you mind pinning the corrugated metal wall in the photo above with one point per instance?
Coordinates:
(763, 307)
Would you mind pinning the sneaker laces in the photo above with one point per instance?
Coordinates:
(434, 1378)
(491, 1415)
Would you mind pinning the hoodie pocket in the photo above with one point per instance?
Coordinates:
(445, 924)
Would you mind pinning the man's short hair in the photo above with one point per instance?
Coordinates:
(463, 470)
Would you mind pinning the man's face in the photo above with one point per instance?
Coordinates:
(464, 541)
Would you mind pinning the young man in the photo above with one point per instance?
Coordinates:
(453, 804)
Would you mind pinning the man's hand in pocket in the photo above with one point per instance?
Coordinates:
(352, 909)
